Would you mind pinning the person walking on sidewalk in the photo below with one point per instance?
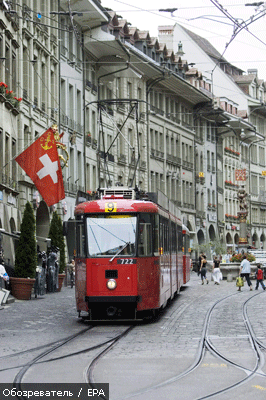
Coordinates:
(216, 272)
(259, 277)
(245, 271)
(4, 276)
(203, 270)
(71, 269)
(199, 263)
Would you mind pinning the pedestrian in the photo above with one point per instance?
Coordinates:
(3, 275)
(216, 272)
(72, 272)
(199, 263)
(259, 277)
(245, 271)
(203, 270)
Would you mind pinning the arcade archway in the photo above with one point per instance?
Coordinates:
(212, 234)
(42, 224)
(255, 241)
(229, 242)
(262, 242)
(201, 237)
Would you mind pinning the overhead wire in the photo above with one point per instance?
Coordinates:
(85, 34)
(74, 29)
(175, 18)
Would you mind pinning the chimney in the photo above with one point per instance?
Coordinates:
(253, 71)
(180, 52)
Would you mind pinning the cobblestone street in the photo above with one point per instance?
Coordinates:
(152, 353)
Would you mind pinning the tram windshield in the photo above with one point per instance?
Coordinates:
(111, 235)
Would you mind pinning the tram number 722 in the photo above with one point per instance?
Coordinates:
(126, 261)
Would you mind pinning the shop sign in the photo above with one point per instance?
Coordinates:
(11, 200)
(212, 217)
(1, 195)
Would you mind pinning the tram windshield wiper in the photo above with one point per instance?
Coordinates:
(119, 251)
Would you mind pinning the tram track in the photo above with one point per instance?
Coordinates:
(256, 346)
(52, 347)
(33, 349)
(205, 344)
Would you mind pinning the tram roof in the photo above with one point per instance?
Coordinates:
(104, 206)
(119, 206)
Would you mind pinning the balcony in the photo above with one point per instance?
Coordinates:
(108, 156)
(156, 110)
(88, 139)
(188, 165)
(7, 183)
(63, 51)
(121, 159)
(94, 88)
(201, 214)
(109, 110)
(231, 152)
(94, 144)
(143, 165)
(178, 203)
(88, 84)
(173, 159)
(231, 218)
(53, 38)
(231, 185)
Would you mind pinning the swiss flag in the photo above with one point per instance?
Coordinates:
(41, 162)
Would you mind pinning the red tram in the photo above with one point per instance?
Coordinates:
(129, 255)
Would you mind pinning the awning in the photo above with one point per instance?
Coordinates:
(104, 46)
(87, 13)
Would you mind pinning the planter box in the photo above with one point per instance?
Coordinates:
(233, 269)
(21, 288)
(61, 278)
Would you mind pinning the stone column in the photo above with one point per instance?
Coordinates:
(242, 215)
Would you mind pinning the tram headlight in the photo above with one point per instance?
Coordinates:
(111, 284)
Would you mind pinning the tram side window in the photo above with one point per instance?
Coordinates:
(80, 232)
(180, 238)
(164, 234)
(166, 237)
(186, 243)
(156, 235)
(145, 235)
(173, 238)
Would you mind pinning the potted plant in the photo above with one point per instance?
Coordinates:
(25, 257)
(57, 240)
(3, 87)
(239, 257)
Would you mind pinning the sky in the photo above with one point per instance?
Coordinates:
(247, 50)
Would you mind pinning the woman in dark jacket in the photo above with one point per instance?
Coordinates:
(203, 269)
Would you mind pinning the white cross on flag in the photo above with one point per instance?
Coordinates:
(41, 162)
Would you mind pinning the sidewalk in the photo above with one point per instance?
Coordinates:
(28, 323)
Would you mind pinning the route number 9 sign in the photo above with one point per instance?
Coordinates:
(110, 207)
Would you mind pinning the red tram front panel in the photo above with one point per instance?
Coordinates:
(124, 271)
(137, 279)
